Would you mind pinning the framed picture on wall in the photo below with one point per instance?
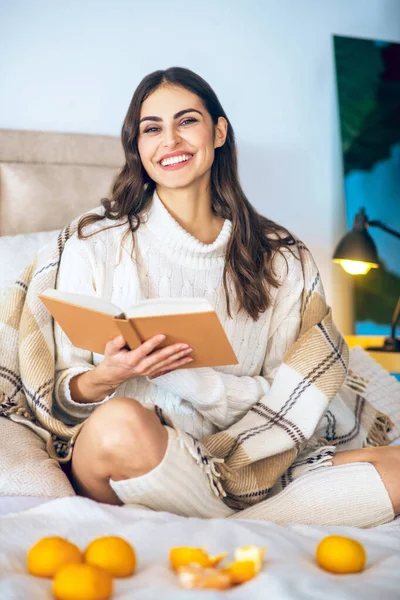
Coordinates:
(368, 90)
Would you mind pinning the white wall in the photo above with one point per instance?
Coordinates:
(73, 66)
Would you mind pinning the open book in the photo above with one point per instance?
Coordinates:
(91, 322)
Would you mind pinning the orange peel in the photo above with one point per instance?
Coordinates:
(183, 556)
(255, 554)
(247, 564)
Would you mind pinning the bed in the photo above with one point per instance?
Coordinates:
(46, 179)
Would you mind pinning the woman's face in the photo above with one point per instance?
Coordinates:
(189, 135)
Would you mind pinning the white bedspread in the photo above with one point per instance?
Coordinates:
(290, 571)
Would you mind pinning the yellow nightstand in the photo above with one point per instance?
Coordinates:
(389, 360)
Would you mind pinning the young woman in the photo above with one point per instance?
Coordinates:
(179, 224)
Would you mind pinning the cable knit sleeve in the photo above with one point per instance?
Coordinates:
(76, 274)
(224, 398)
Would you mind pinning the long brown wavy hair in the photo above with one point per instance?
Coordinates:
(254, 240)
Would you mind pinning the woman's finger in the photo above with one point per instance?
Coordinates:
(171, 367)
(144, 349)
(115, 345)
(162, 365)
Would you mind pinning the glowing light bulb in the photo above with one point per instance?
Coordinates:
(356, 267)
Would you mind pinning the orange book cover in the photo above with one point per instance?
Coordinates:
(91, 322)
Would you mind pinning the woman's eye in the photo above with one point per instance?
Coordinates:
(155, 128)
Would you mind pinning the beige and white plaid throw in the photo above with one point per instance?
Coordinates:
(276, 441)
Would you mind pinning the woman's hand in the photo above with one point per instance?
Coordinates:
(120, 365)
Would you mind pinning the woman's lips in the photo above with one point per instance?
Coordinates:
(179, 165)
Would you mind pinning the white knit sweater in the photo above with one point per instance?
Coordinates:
(172, 263)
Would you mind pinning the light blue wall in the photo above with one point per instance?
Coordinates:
(73, 66)
(378, 190)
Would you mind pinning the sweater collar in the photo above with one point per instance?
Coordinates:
(179, 242)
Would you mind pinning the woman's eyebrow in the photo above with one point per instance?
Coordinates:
(176, 116)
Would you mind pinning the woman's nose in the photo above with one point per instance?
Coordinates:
(171, 137)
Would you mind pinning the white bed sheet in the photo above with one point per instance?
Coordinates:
(10, 504)
(290, 572)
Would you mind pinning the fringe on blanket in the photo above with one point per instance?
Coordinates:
(15, 410)
(214, 468)
(58, 448)
(378, 434)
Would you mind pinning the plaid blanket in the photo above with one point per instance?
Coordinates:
(248, 461)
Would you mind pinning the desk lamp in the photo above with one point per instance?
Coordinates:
(357, 254)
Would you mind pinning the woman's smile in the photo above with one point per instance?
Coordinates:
(176, 166)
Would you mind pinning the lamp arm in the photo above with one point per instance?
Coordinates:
(395, 319)
(384, 227)
(396, 314)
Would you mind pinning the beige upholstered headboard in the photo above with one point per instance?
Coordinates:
(47, 179)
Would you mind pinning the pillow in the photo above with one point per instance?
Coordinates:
(16, 252)
(25, 466)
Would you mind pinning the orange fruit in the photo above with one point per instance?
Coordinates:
(184, 555)
(113, 554)
(51, 553)
(195, 577)
(82, 582)
(241, 571)
(339, 554)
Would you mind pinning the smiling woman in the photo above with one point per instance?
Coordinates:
(207, 442)
(185, 144)
(175, 113)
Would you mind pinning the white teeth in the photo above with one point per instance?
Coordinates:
(175, 159)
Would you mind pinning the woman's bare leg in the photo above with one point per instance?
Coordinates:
(121, 439)
(386, 460)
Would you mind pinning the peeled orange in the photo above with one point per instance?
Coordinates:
(195, 577)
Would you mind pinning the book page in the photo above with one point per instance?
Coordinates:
(168, 306)
(85, 301)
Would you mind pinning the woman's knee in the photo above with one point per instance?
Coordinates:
(119, 408)
(123, 422)
(122, 432)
